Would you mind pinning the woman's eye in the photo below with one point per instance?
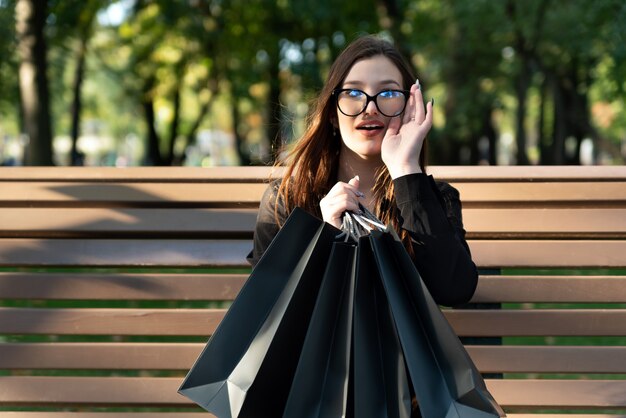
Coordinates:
(389, 94)
(355, 94)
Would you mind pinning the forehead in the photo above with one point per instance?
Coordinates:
(374, 71)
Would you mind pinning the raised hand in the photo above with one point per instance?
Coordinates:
(405, 136)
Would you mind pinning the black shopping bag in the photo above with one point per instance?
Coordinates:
(336, 329)
(264, 329)
(445, 380)
(320, 385)
(379, 380)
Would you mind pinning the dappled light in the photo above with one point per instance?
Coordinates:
(206, 83)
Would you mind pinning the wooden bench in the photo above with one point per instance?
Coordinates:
(112, 279)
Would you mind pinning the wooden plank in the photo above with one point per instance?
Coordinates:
(177, 174)
(75, 414)
(202, 322)
(232, 253)
(479, 223)
(545, 222)
(61, 321)
(181, 356)
(131, 194)
(548, 253)
(564, 289)
(150, 391)
(87, 286)
(537, 394)
(89, 222)
(540, 194)
(94, 356)
(124, 252)
(538, 322)
(90, 286)
(549, 359)
(115, 194)
(154, 174)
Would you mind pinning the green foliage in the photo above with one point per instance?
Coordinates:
(237, 65)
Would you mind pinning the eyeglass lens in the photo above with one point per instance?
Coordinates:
(389, 102)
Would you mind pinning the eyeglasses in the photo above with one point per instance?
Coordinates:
(353, 102)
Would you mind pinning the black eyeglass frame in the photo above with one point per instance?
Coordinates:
(374, 99)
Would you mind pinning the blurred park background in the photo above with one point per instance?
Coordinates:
(227, 82)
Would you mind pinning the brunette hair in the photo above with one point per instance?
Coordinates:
(312, 165)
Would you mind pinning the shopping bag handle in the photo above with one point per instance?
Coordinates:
(356, 225)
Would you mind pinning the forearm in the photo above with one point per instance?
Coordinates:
(440, 252)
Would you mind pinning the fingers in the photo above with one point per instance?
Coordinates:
(342, 197)
(428, 119)
(420, 112)
(409, 112)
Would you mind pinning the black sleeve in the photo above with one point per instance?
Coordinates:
(266, 226)
(431, 213)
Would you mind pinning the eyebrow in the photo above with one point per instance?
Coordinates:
(380, 83)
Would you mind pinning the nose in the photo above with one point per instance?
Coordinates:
(371, 108)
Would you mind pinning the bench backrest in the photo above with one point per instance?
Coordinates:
(112, 279)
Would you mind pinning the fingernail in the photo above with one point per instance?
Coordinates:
(417, 83)
(357, 177)
(360, 194)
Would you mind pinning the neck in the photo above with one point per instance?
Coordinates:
(351, 165)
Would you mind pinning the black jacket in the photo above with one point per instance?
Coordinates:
(431, 213)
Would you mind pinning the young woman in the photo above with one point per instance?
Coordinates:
(364, 143)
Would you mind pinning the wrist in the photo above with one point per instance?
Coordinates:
(404, 170)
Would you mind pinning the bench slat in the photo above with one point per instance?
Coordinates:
(74, 414)
(137, 194)
(64, 222)
(548, 253)
(181, 356)
(544, 222)
(565, 289)
(479, 223)
(91, 286)
(81, 286)
(119, 391)
(124, 252)
(254, 173)
(115, 194)
(202, 322)
(231, 253)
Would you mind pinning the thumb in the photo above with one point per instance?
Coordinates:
(394, 126)
(354, 181)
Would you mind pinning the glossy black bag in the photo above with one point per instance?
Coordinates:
(356, 327)
(261, 335)
(444, 378)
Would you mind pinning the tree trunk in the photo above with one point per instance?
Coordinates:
(169, 158)
(545, 156)
(559, 130)
(274, 108)
(244, 157)
(521, 92)
(190, 137)
(79, 75)
(153, 153)
(30, 16)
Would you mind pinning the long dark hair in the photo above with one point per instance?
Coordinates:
(312, 164)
